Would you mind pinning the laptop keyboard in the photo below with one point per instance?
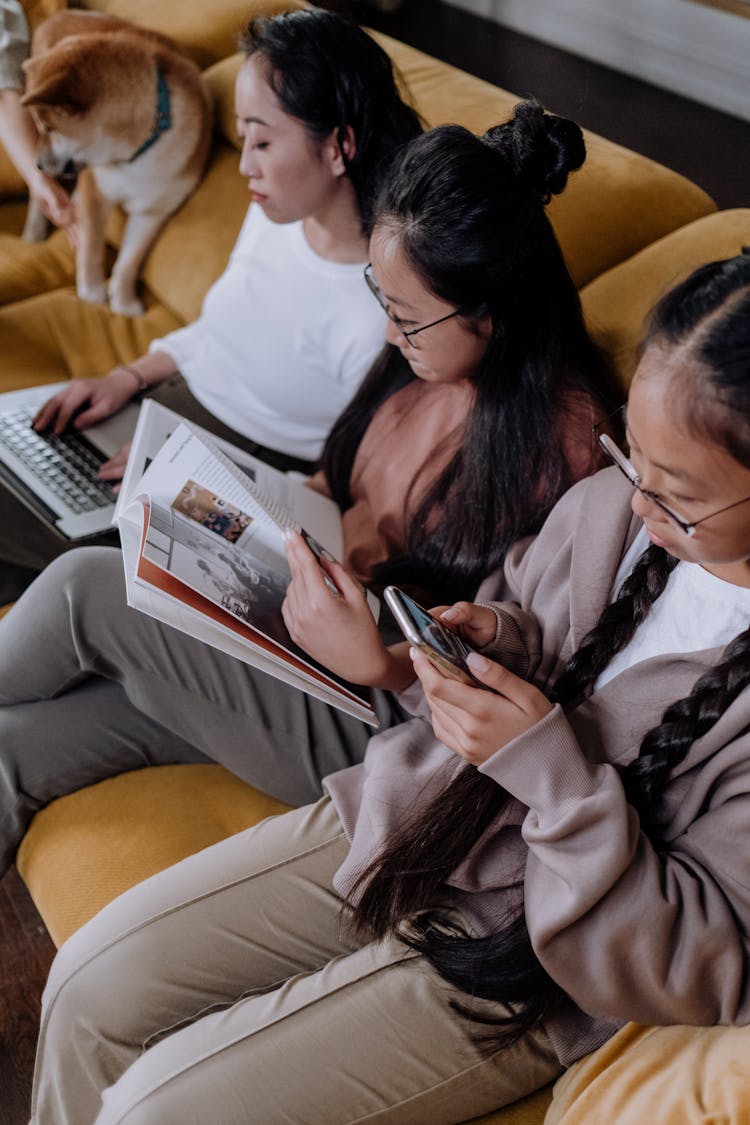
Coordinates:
(67, 463)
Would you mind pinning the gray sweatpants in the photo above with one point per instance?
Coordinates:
(90, 688)
(227, 989)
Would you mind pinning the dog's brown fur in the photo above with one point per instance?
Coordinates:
(91, 85)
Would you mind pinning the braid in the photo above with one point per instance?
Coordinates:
(665, 746)
(686, 720)
(616, 626)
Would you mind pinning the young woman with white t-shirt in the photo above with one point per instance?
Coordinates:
(289, 330)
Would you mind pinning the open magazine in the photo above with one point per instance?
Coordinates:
(201, 526)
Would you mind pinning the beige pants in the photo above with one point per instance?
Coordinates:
(227, 990)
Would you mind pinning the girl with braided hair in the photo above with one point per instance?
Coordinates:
(511, 874)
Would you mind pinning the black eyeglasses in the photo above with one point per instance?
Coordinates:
(380, 298)
(626, 467)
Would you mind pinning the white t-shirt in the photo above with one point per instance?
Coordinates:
(284, 339)
(696, 611)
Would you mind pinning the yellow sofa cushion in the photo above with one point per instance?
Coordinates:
(206, 30)
(615, 305)
(42, 337)
(38, 10)
(101, 840)
(12, 183)
(194, 236)
(220, 79)
(12, 212)
(665, 1075)
(27, 268)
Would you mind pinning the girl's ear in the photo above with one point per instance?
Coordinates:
(343, 146)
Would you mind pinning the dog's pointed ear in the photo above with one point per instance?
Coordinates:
(49, 84)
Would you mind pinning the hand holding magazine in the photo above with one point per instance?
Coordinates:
(201, 526)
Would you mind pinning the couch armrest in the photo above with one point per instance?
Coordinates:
(616, 304)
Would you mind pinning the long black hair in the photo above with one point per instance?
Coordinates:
(330, 74)
(708, 315)
(469, 215)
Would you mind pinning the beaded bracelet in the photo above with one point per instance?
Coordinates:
(142, 384)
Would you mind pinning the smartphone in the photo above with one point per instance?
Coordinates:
(445, 648)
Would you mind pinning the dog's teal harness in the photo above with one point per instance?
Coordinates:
(163, 116)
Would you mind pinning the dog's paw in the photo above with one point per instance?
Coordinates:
(127, 306)
(122, 298)
(96, 294)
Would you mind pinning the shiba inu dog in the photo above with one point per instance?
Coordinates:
(127, 111)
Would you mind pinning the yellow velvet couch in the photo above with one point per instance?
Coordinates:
(628, 228)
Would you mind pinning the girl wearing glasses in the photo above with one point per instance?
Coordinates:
(289, 330)
(514, 873)
(459, 441)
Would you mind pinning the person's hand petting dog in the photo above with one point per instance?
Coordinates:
(336, 626)
(474, 723)
(20, 138)
(54, 202)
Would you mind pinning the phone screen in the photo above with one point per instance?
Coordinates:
(422, 630)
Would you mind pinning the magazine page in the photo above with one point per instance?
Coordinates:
(284, 494)
(198, 570)
(237, 496)
(188, 475)
(195, 623)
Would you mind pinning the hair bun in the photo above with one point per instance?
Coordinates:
(541, 148)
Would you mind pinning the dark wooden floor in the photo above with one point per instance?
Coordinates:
(25, 956)
(711, 148)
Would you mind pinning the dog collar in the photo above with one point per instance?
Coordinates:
(163, 116)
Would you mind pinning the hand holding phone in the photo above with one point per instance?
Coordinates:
(446, 649)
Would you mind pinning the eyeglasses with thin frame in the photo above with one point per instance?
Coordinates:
(626, 467)
(380, 298)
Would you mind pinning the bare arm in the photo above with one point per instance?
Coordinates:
(19, 137)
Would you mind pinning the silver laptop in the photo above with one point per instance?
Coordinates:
(56, 476)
